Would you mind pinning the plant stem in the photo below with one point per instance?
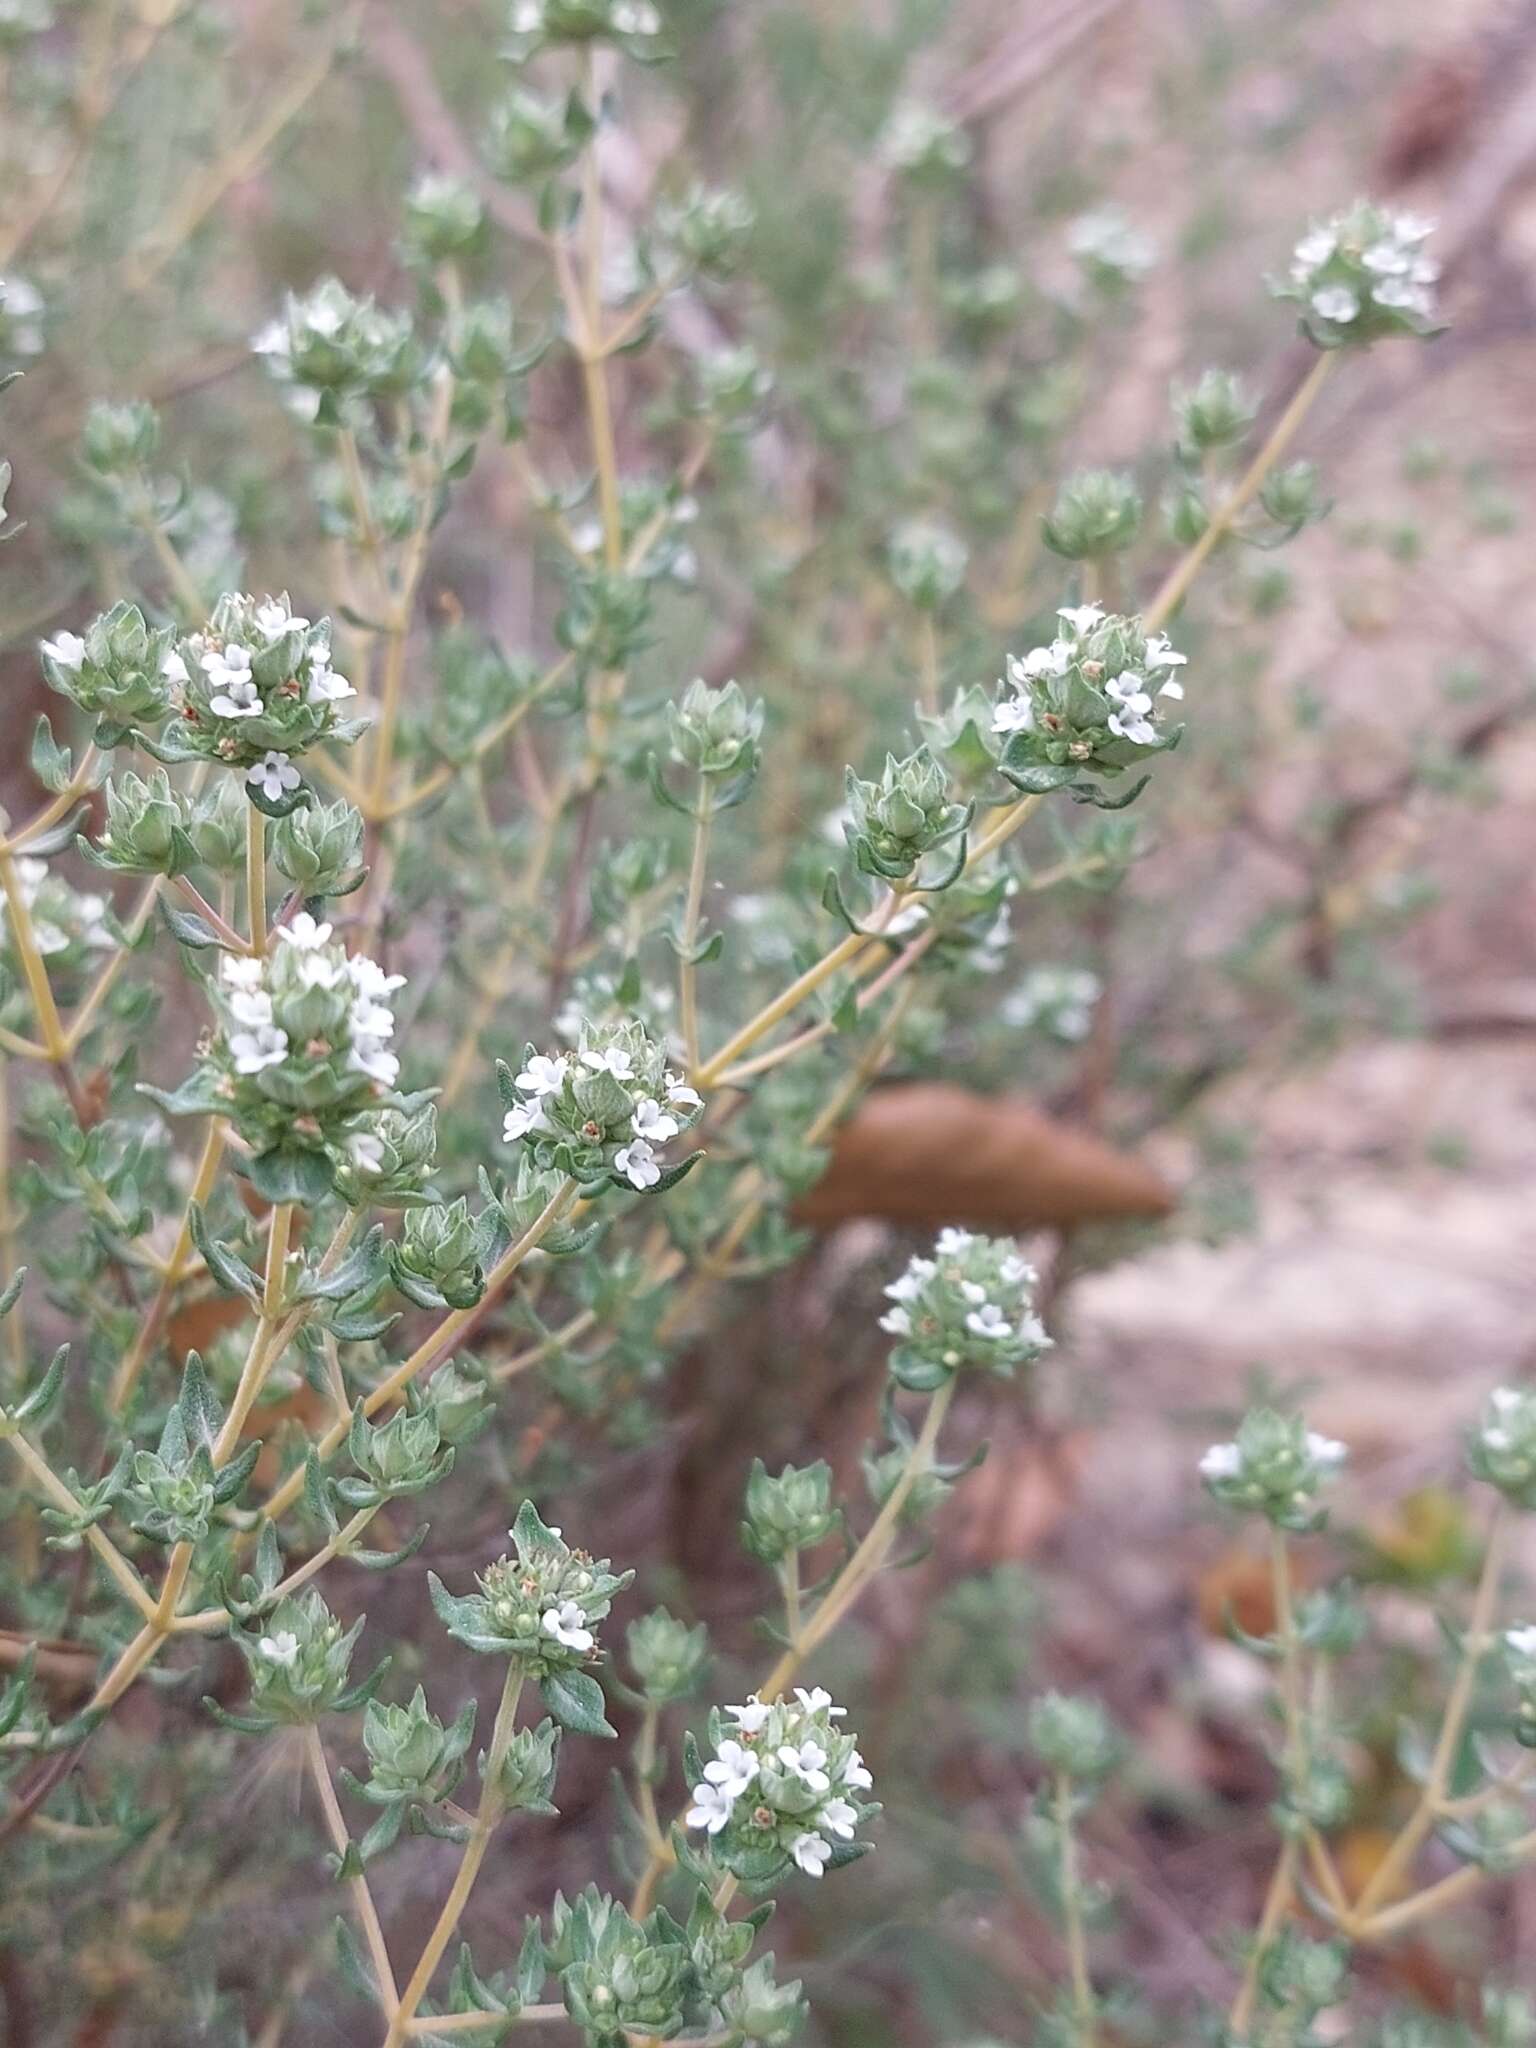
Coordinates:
(362, 1896)
(35, 973)
(487, 1814)
(256, 878)
(687, 971)
(119, 1567)
(1084, 2005)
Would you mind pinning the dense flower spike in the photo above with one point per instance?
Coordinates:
(603, 1111)
(1363, 276)
(968, 1306)
(785, 1787)
(1092, 699)
(256, 687)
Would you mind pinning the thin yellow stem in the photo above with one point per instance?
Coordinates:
(44, 1007)
(111, 1557)
(1084, 2006)
(362, 1895)
(256, 878)
(687, 969)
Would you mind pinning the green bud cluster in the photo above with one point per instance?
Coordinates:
(328, 346)
(120, 440)
(438, 1262)
(1097, 513)
(620, 1976)
(146, 832)
(789, 1511)
(540, 1606)
(1212, 414)
(411, 1755)
(927, 562)
(893, 823)
(320, 848)
(1073, 1736)
(924, 146)
(298, 1665)
(1274, 1467)
(715, 731)
(393, 1459)
(667, 1656)
(733, 389)
(444, 218)
(119, 670)
(704, 231)
(532, 137)
(1502, 1449)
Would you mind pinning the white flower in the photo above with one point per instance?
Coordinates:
(283, 1648)
(305, 933)
(567, 1624)
(251, 1007)
(68, 650)
(856, 1772)
(1017, 1272)
(173, 668)
(711, 1808)
(242, 970)
(952, 1241)
(372, 1057)
(1506, 1400)
(897, 1321)
(1315, 247)
(368, 977)
(1404, 295)
(1522, 1640)
(680, 1095)
(366, 1151)
(517, 1123)
(262, 1047)
(327, 685)
(611, 1059)
(273, 619)
(751, 1717)
(238, 699)
(973, 1291)
(1324, 1450)
(652, 1122)
(806, 1760)
(319, 970)
(1221, 1461)
(543, 1076)
(1015, 714)
(733, 1769)
(840, 1817)
(273, 775)
(1082, 618)
(637, 1162)
(988, 1322)
(1336, 302)
(811, 1853)
(909, 1285)
(818, 1700)
(368, 1019)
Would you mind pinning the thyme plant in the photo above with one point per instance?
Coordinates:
(365, 1056)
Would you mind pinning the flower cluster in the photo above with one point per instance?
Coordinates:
(1275, 1467)
(1088, 700)
(1055, 999)
(969, 1305)
(298, 1664)
(301, 1061)
(601, 1112)
(1518, 1646)
(1111, 248)
(541, 1606)
(119, 670)
(1503, 1447)
(256, 686)
(924, 145)
(328, 345)
(893, 823)
(634, 25)
(785, 1785)
(1363, 276)
(64, 920)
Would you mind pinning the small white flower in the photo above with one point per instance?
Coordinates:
(238, 699)
(366, 1151)
(1017, 1272)
(320, 970)
(1014, 714)
(368, 1019)
(543, 1076)
(811, 1853)
(856, 1772)
(1402, 295)
(273, 620)
(973, 1292)
(283, 1648)
(1133, 726)
(261, 1047)
(327, 685)
(952, 1241)
(909, 1285)
(680, 1095)
(817, 1701)
(1506, 1400)
(251, 1007)
(567, 1624)
(242, 970)
(1325, 1450)
(840, 1817)
(305, 933)
(68, 650)
(806, 1761)
(733, 1769)
(173, 668)
(1315, 247)
(752, 1716)
(651, 1121)
(989, 1322)
(613, 1059)
(897, 1321)
(372, 1057)
(1522, 1640)
(637, 1162)
(517, 1123)
(1336, 302)
(1082, 618)
(1221, 1461)
(273, 775)
(368, 977)
(711, 1808)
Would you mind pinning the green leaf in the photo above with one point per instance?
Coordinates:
(51, 763)
(188, 929)
(576, 1701)
(290, 1174)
